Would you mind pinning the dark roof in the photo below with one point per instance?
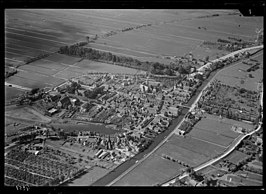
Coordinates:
(65, 100)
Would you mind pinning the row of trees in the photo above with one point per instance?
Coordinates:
(10, 72)
(93, 54)
(40, 56)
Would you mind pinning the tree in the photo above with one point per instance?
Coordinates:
(34, 91)
(88, 39)
(182, 70)
(62, 177)
(190, 170)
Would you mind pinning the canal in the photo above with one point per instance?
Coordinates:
(127, 164)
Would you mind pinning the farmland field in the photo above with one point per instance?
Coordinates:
(28, 114)
(152, 171)
(172, 32)
(32, 32)
(11, 92)
(217, 126)
(104, 67)
(63, 59)
(234, 74)
(12, 126)
(211, 137)
(231, 122)
(236, 157)
(88, 178)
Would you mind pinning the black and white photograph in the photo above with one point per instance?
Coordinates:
(133, 98)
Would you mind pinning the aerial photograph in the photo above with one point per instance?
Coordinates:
(133, 97)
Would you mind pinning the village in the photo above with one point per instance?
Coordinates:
(139, 107)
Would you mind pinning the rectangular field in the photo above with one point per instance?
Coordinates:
(64, 59)
(189, 157)
(235, 157)
(34, 80)
(88, 178)
(27, 113)
(216, 125)
(155, 169)
(198, 146)
(151, 172)
(211, 137)
(40, 70)
(48, 64)
(88, 65)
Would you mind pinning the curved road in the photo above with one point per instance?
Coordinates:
(210, 162)
(192, 107)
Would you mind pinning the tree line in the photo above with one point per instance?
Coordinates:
(96, 55)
